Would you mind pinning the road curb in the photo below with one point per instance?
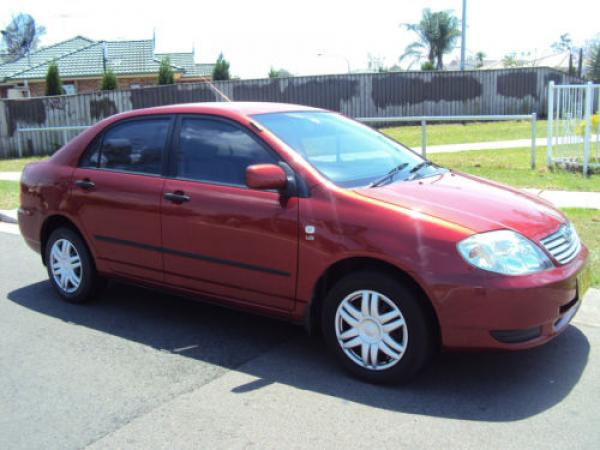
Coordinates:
(8, 216)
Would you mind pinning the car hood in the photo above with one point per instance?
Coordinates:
(472, 202)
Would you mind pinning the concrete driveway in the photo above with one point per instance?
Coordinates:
(139, 369)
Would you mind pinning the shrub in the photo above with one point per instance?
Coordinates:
(109, 81)
(221, 70)
(279, 73)
(594, 125)
(427, 65)
(165, 72)
(53, 81)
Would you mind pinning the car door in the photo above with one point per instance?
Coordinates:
(117, 191)
(220, 237)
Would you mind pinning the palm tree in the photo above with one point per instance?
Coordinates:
(437, 33)
(479, 59)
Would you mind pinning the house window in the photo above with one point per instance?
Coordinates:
(69, 88)
(135, 86)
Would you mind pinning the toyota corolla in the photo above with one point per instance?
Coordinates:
(311, 217)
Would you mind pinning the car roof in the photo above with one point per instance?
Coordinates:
(226, 108)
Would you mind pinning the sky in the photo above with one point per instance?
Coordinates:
(255, 35)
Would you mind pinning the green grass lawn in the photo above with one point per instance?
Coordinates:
(17, 164)
(587, 222)
(458, 133)
(9, 194)
(511, 166)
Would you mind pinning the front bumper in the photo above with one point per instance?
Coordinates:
(513, 313)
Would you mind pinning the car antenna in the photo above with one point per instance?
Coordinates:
(218, 91)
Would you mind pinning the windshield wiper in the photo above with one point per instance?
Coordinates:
(389, 175)
(413, 171)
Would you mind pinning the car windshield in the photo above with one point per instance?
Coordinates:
(346, 152)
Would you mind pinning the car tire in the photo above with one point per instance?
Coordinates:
(399, 327)
(70, 266)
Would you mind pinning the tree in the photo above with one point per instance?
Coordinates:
(376, 63)
(593, 65)
(165, 72)
(563, 45)
(53, 81)
(279, 73)
(21, 36)
(510, 60)
(479, 59)
(221, 69)
(437, 34)
(109, 81)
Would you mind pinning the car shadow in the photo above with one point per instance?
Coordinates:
(491, 386)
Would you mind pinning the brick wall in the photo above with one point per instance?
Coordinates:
(38, 88)
(125, 83)
(193, 80)
(89, 85)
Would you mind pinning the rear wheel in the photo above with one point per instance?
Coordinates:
(70, 266)
(377, 327)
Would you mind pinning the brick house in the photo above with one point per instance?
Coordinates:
(82, 62)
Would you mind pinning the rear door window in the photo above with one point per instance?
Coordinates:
(132, 146)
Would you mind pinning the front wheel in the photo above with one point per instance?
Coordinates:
(377, 327)
(70, 266)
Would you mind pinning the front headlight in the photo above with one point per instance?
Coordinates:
(504, 252)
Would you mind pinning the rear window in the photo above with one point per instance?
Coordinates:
(132, 146)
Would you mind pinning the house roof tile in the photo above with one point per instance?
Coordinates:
(82, 57)
(186, 61)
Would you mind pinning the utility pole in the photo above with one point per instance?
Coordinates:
(463, 46)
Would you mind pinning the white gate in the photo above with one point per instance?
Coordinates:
(574, 126)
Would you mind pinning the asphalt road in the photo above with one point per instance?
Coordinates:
(140, 369)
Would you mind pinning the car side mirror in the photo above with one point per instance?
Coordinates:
(266, 176)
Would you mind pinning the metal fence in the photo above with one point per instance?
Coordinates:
(400, 94)
(424, 119)
(367, 120)
(574, 126)
(65, 134)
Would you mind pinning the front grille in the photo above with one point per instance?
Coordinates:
(564, 244)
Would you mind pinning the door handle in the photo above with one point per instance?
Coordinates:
(85, 184)
(177, 197)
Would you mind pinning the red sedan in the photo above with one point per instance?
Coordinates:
(309, 216)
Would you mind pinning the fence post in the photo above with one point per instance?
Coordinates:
(588, 120)
(550, 113)
(424, 138)
(65, 137)
(19, 144)
(533, 138)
